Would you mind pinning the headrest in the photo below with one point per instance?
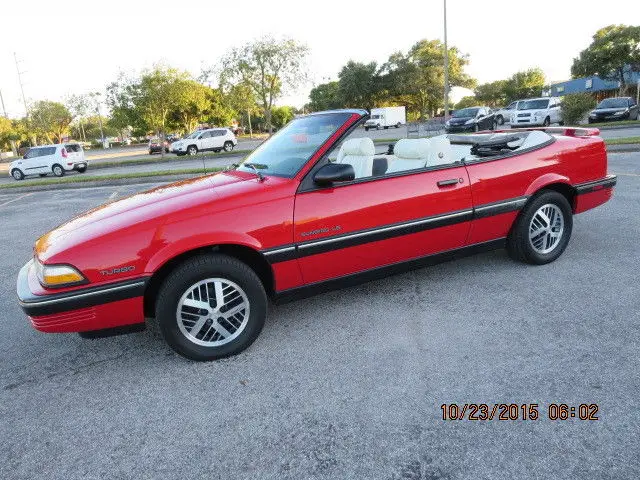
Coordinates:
(535, 137)
(412, 148)
(358, 147)
(440, 151)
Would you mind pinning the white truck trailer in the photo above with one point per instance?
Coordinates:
(386, 117)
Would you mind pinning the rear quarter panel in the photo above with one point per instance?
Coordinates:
(568, 160)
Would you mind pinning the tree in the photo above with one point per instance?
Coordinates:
(281, 116)
(194, 102)
(575, 106)
(417, 78)
(268, 66)
(614, 51)
(528, 83)
(79, 106)
(121, 98)
(242, 99)
(465, 102)
(8, 133)
(358, 84)
(325, 96)
(492, 94)
(50, 120)
(157, 95)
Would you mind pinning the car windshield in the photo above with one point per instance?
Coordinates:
(193, 135)
(465, 112)
(375, 117)
(288, 150)
(533, 104)
(613, 103)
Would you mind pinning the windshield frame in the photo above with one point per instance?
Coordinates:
(475, 114)
(522, 103)
(621, 99)
(327, 143)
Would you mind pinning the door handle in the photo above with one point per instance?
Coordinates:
(451, 181)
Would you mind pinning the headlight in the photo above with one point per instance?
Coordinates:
(447, 123)
(54, 276)
(470, 121)
(621, 112)
(592, 115)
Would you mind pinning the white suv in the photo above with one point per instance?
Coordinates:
(215, 139)
(536, 112)
(46, 159)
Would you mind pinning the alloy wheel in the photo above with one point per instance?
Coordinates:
(546, 228)
(213, 312)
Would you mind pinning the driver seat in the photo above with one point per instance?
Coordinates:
(359, 153)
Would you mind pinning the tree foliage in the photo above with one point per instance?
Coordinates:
(575, 106)
(492, 94)
(358, 84)
(268, 66)
(469, 101)
(281, 116)
(614, 50)
(325, 96)
(525, 84)
(49, 120)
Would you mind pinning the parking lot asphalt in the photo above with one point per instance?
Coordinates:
(348, 384)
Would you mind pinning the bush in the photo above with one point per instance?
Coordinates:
(575, 106)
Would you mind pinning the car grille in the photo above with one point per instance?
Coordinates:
(524, 115)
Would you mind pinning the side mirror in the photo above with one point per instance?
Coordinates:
(333, 173)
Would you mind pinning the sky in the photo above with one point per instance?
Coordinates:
(66, 47)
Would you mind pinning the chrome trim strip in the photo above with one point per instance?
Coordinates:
(278, 250)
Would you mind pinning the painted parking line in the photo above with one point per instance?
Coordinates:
(16, 199)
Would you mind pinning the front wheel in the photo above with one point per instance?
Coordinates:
(57, 170)
(192, 150)
(542, 230)
(211, 306)
(547, 122)
(398, 125)
(228, 146)
(17, 174)
(500, 120)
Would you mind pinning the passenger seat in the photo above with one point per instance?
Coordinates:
(410, 153)
(358, 152)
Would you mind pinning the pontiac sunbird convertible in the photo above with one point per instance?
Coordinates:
(317, 206)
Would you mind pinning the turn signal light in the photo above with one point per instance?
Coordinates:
(53, 276)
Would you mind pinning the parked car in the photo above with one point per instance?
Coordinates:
(620, 108)
(386, 117)
(472, 119)
(45, 159)
(156, 145)
(215, 139)
(503, 115)
(309, 210)
(536, 112)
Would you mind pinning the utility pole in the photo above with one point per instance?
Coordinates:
(446, 66)
(95, 96)
(24, 99)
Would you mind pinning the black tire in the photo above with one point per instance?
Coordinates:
(17, 174)
(43, 174)
(476, 128)
(228, 146)
(216, 150)
(81, 169)
(547, 122)
(192, 150)
(180, 154)
(398, 125)
(366, 129)
(188, 274)
(494, 125)
(500, 120)
(518, 244)
(150, 152)
(386, 127)
(57, 170)
(561, 123)
(166, 150)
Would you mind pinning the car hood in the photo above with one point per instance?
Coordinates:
(151, 205)
(608, 110)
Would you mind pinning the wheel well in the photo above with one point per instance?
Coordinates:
(245, 254)
(567, 190)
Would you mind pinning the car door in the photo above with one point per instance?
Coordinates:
(36, 161)
(204, 141)
(375, 221)
(633, 109)
(217, 139)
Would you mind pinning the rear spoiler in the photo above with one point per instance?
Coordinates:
(566, 131)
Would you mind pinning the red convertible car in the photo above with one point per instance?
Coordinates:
(315, 207)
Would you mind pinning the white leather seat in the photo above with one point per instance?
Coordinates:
(440, 152)
(535, 137)
(358, 152)
(410, 153)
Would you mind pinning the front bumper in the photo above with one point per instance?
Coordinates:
(82, 309)
(608, 118)
(459, 128)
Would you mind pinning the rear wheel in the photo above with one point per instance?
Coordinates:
(211, 306)
(82, 169)
(543, 229)
(476, 128)
(57, 170)
(500, 120)
(547, 122)
(228, 146)
(17, 174)
(398, 125)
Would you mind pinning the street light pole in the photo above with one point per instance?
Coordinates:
(446, 65)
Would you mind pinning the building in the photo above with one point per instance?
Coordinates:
(599, 87)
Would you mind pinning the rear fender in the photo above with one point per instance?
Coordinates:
(546, 180)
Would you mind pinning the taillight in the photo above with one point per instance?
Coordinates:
(64, 153)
